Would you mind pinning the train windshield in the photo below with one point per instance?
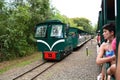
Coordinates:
(41, 31)
(56, 31)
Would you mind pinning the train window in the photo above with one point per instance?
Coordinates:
(41, 31)
(56, 31)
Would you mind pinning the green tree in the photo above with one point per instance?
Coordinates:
(2, 16)
(83, 22)
(17, 21)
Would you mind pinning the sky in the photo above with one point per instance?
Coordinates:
(79, 8)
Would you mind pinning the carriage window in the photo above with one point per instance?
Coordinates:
(41, 31)
(56, 31)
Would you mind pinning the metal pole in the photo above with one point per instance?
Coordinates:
(87, 51)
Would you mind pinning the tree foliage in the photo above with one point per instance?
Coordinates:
(17, 21)
(84, 23)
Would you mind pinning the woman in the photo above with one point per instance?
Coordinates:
(106, 48)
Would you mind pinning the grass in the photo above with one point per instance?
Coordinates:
(7, 65)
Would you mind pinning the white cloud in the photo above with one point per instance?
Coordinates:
(79, 8)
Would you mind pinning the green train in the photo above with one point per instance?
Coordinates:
(56, 39)
(110, 12)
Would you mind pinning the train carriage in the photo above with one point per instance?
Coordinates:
(73, 32)
(79, 37)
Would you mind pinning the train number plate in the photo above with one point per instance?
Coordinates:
(50, 55)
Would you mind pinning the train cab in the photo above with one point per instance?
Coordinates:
(52, 39)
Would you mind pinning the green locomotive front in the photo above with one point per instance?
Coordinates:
(53, 39)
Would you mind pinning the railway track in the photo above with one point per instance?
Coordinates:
(35, 72)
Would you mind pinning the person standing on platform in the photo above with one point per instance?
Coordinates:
(98, 39)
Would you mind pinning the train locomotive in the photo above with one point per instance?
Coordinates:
(55, 39)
